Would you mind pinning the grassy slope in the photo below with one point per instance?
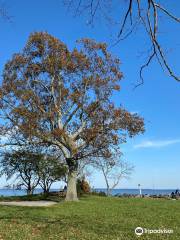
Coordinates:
(91, 218)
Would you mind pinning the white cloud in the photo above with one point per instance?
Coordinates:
(156, 144)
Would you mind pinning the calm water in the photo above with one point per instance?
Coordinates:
(11, 192)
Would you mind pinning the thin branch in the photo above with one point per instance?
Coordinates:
(143, 67)
(93, 12)
(167, 12)
(125, 18)
(148, 16)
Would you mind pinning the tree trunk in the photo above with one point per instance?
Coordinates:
(29, 191)
(46, 191)
(71, 194)
(108, 191)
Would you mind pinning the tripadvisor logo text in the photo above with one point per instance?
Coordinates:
(139, 231)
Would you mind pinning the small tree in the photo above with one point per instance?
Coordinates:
(113, 171)
(23, 165)
(50, 170)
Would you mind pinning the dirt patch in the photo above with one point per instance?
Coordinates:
(28, 203)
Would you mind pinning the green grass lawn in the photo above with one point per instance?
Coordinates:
(91, 218)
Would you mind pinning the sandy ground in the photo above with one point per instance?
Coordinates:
(29, 203)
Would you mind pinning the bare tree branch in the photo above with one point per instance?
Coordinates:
(128, 13)
(143, 13)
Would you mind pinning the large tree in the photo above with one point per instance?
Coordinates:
(63, 98)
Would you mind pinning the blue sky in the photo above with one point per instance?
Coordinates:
(156, 154)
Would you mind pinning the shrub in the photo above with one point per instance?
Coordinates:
(85, 186)
(101, 193)
(82, 186)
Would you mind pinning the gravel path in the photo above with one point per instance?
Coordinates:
(29, 203)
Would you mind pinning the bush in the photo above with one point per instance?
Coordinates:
(101, 193)
(82, 186)
(85, 186)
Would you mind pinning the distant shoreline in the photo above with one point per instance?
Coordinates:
(120, 191)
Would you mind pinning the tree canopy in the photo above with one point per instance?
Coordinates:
(23, 165)
(63, 98)
(32, 167)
